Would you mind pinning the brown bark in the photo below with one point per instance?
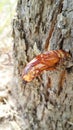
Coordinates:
(46, 102)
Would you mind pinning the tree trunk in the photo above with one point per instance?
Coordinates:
(46, 103)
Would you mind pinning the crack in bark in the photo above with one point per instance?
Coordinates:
(53, 22)
(40, 18)
(62, 78)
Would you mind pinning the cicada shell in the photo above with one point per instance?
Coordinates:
(45, 61)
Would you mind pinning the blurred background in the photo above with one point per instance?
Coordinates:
(7, 13)
(7, 10)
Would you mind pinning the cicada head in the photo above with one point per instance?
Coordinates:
(31, 74)
(30, 71)
(28, 77)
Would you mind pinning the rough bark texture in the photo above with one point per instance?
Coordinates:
(43, 25)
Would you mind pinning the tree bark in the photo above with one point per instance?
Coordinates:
(46, 103)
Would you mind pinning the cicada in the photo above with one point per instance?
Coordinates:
(46, 61)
